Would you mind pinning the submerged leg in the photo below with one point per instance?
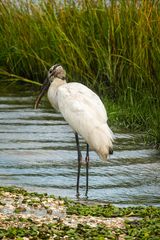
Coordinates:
(87, 166)
(79, 162)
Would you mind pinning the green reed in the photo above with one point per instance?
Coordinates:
(112, 48)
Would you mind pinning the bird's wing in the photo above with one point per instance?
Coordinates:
(81, 99)
(81, 107)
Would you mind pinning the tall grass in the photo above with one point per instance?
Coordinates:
(113, 48)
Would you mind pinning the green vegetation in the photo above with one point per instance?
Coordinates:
(140, 222)
(110, 210)
(112, 48)
(59, 231)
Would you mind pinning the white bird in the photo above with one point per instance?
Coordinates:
(83, 111)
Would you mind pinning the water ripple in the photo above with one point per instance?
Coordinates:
(38, 152)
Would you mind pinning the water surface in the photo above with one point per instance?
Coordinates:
(38, 152)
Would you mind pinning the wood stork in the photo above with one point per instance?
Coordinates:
(83, 111)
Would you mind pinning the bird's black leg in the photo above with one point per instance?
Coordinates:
(79, 162)
(87, 166)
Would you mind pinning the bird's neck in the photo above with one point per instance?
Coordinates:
(52, 92)
(57, 83)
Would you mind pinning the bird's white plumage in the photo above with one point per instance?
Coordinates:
(84, 112)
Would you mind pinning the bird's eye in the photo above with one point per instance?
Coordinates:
(50, 71)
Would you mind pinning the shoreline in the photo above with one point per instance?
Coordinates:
(26, 215)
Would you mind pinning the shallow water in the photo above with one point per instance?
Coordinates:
(38, 152)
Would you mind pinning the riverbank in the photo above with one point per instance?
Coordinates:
(26, 215)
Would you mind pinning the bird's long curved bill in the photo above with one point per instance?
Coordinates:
(44, 89)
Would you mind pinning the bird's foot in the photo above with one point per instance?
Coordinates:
(77, 195)
(86, 194)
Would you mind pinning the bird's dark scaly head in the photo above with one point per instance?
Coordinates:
(56, 71)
